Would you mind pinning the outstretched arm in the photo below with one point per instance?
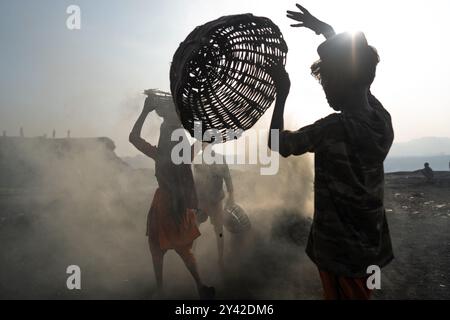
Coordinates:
(135, 134)
(307, 20)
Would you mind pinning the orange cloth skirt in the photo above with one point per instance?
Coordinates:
(344, 288)
(162, 229)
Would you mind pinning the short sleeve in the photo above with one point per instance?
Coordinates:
(309, 138)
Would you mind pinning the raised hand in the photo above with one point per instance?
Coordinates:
(307, 20)
(149, 104)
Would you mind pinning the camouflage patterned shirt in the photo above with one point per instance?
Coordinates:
(349, 230)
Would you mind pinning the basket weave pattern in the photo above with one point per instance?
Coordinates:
(219, 73)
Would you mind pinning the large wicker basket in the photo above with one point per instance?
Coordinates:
(219, 73)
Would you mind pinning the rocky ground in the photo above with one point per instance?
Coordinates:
(419, 217)
(42, 234)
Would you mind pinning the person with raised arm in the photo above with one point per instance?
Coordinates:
(349, 232)
(171, 221)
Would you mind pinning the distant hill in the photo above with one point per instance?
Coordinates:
(28, 162)
(428, 146)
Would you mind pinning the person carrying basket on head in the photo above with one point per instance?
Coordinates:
(171, 222)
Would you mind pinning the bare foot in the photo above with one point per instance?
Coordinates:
(206, 293)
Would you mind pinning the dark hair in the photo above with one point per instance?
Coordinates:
(356, 68)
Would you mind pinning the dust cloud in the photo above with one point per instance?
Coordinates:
(75, 202)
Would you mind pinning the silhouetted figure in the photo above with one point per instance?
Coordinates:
(68, 134)
(54, 134)
(349, 231)
(427, 172)
(209, 179)
(4, 133)
(171, 220)
(21, 132)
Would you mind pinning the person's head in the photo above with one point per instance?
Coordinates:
(426, 164)
(346, 67)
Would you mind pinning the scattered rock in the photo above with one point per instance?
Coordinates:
(417, 194)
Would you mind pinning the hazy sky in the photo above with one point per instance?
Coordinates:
(90, 80)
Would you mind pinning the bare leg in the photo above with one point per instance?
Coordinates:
(189, 260)
(217, 222)
(158, 260)
(220, 244)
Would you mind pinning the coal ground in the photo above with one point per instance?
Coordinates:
(39, 239)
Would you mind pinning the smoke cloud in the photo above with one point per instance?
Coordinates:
(74, 202)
